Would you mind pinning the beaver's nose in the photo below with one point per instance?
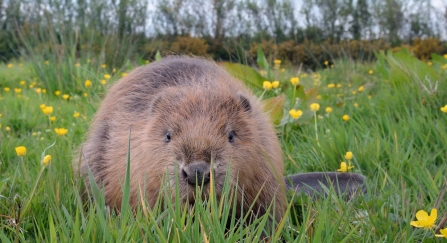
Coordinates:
(196, 173)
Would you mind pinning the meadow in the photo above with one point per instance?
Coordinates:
(391, 115)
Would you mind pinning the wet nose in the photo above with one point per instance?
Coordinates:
(197, 173)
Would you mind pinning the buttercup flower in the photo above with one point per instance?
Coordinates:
(10, 65)
(331, 86)
(21, 151)
(371, 72)
(77, 64)
(277, 62)
(22, 82)
(267, 85)
(328, 109)
(7, 128)
(345, 118)
(338, 85)
(88, 83)
(57, 92)
(114, 70)
(444, 109)
(44, 91)
(52, 118)
(18, 90)
(442, 231)
(38, 90)
(47, 110)
(314, 106)
(42, 106)
(46, 62)
(123, 74)
(103, 82)
(326, 63)
(348, 155)
(65, 96)
(61, 131)
(295, 114)
(46, 160)
(76, 114)
(275, 84)
(345, 167)
(294, 80)
(107, 76)
(85, 94)
(103, 65)
(6, 89)
(424, 220)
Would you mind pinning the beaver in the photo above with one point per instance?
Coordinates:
(190, 118)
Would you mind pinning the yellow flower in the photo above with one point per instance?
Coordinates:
(361, 88)
(52, 118)
(103, 65)
(47, 110)
(22, 82)
(262, 72)
(57, 92)
(277, 62)
(442, 231)
(107, 76)
(114, 70)
(46, 62)
(38, 90)
(371, 72)
(9, 65)
(295, 114)
(77, 64)
(348, 155)
(430, 63)
(332, 66)
(318, 97)
(76, 114)
(424, 220)
(328, 109)
(0, 114)
(34, 134)
(345, 118)
(61, 131)
(6, 89)
(444, 109)
(326, 63)
(338, 85)
(294, 80)
(314, 106)
(89, 61)
(65, 96)
(18, 90)
(103, 82)
(445, 56)
(354, 92)
(44, 91)
(85, 94)
(331, 86)
(123, 74)
(7, 128)
(88, 83)
(267, 85)
(46, 160)
(275, 84)
(21, 151)
(345, 167)
(42, 106)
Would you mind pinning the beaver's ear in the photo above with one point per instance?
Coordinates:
(156, 103)
(319, 183)
(244, 102)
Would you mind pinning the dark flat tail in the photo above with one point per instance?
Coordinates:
(318, 184)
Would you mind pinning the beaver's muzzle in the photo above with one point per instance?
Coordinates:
(196, 173)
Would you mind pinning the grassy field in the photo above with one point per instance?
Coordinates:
(388, 114)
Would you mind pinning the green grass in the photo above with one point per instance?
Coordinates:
(396, 132)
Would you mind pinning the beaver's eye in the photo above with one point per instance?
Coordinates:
(168, 137)
(231, 137)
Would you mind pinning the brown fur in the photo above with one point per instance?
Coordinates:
(199, 103)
